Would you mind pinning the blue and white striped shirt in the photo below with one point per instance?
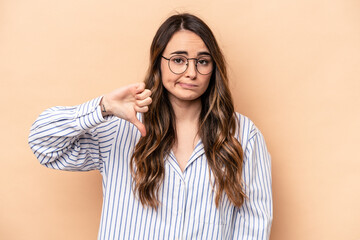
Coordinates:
(79, 139)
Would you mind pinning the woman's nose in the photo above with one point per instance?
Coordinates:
(191, 71)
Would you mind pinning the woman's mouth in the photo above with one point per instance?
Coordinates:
(187, 85)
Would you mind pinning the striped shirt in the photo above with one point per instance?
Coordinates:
(79, 139)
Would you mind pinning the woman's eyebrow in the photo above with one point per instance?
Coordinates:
(203, 53)
(180, 52)
(186, 53)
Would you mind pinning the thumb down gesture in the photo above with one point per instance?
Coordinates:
(126, 101)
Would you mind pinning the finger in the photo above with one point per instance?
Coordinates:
(140, 126)
(144, 94)
(141, 109)
(142, 103)
(140, 87)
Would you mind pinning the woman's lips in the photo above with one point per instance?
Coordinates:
(187, 85)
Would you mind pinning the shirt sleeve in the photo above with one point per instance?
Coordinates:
(73, 138)
(253, 220)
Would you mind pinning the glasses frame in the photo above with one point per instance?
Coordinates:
(187, 64)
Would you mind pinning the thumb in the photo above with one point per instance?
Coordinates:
(140, 126)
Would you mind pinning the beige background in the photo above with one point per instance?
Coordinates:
(295, 71)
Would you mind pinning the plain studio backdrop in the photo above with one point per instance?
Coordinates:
(294, 68)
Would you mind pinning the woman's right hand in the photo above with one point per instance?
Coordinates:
(125, 102)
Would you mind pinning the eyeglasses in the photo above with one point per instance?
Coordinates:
(178, 64)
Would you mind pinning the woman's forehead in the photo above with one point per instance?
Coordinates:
(187, 42)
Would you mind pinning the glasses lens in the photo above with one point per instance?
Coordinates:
(204, 65)
(178, 64)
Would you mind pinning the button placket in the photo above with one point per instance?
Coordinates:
(181, 207)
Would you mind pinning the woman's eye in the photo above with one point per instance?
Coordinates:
(203, 61)
(178, 60)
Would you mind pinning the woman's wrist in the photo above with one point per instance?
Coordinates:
(105, 109)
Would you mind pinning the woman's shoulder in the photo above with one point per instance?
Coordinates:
(245, 128)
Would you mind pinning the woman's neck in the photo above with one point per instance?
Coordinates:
(187, 115)
(186, 111)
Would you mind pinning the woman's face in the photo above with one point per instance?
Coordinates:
(189, 85)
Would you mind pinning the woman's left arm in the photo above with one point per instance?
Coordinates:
(254, 218)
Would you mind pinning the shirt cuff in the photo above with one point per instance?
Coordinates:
(89, 115)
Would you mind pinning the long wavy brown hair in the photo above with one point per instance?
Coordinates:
(217, 123)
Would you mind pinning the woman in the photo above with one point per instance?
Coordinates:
(177, 161)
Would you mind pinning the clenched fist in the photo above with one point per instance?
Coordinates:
(126, 101)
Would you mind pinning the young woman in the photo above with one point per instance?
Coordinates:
(177, 161)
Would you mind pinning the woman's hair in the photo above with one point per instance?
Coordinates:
(217, 123)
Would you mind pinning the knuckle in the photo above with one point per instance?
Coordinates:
(140, 103)
(147, 92)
